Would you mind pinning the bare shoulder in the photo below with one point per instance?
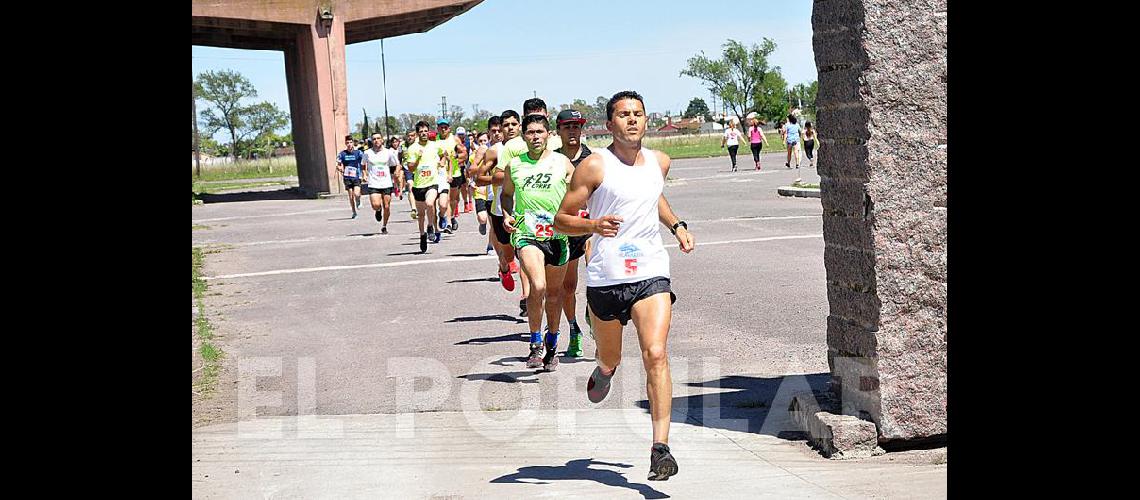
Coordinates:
(590, 169)
(663, 160)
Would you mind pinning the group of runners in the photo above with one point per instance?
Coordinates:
(790, 137)
(549, 200)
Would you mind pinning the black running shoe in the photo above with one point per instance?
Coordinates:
(522, 307)
(550, 361)
(384, 230)
(661, 463)
(423, 242)
(483, 228)
(378, 216)
(454, 224)
(598, 387)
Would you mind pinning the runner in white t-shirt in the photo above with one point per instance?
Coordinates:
(379, 163)
(627, 276)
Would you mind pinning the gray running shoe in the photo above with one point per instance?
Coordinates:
(535, 359)
(598, 387)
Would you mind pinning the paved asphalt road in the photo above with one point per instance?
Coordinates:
(751, 306)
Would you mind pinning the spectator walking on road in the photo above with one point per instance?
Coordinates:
(756, 137)
(732, 140)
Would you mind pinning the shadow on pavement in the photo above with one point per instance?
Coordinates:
(475, 280)
(505, 377)
(277, 194)
(510, 337)
(760, 405)
(363, 234)
(578, 470)
(417, 252)
(493, 317)
(466, 254)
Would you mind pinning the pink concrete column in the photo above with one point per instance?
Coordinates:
(318, 102)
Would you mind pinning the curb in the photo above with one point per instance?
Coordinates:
(799, 192)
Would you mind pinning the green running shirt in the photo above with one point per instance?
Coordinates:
(540, 186)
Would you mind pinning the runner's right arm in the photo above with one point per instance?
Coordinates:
(587, 177)
(490, 160)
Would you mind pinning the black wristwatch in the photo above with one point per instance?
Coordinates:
(679, 223)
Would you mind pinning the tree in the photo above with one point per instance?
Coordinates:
(408, 121)
(738, 76)
(805, 93)
(454, 115)
(697, 107)
(224, 90)
(771, 99)
(600, 105)
(364, 129)
(262, 120)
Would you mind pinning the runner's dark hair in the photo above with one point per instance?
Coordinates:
(536, 119)
(625, 94)
(533, 105)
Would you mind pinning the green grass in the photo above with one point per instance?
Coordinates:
(690, 146)
(197, 227)
(210, 353)
(203, 188)
(799, 184)
(247, 169)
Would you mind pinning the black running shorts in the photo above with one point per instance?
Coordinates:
(482, 205)
(501, 234)
(578, 246)
(372, 190)
(616, 301)
(350, 183)
(420, 194)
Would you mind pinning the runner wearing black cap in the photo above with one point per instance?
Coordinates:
(570, 124)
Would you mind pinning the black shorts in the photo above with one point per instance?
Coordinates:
(616, 301)
(578, 246)
(554, 251)
(372, 190)
(482, 205)
(458, 180)
(350, 183)
(420, 194)
(501, 234)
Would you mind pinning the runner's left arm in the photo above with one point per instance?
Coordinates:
(665, 212)
(508, 201)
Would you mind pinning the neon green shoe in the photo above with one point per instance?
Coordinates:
(575, 349)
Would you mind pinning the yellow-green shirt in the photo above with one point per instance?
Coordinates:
(428, 155)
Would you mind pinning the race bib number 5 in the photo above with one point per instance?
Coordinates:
(630, 267)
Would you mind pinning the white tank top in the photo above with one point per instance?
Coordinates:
(496, 207)
(636, 252)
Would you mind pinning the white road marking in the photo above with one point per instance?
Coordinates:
(464, 259)
(268, 215)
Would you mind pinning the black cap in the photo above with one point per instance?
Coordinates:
(570, 116)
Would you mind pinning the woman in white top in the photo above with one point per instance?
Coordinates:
(732, 140)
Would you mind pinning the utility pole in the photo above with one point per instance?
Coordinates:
(443, 109)
(194, 105)
(535, 93)
(384, 75)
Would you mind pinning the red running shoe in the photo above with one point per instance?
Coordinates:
(507, 280)
(514, 267)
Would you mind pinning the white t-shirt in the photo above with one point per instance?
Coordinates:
(732, 137)
(377, 163)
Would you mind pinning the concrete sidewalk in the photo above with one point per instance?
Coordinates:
(601, 453)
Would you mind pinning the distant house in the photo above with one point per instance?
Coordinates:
(684, 125)
(596, 133)
(709, 127)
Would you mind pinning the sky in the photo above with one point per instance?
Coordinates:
(577, 51)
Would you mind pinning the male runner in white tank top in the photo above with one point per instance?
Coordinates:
(627, 276)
